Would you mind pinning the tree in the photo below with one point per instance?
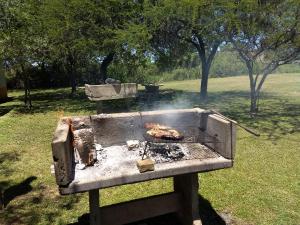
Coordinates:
(198, 24)
(81, 32)
(70, 27)
(20, 38)
(112, 20)
(267, 34)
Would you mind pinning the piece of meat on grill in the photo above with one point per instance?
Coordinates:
(170, 134)
(156, 126)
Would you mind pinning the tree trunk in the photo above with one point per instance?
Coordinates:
(29, 94)
(252, 81)
(206, 61)
(27, 97)
(204, 81)
(71, 69)
(104, 65)
(73, 82)
(253, 105)
(26, 93)
(72, 75)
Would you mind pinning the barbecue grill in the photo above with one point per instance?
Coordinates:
(208, 144)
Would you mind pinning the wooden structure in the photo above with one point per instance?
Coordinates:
(110, 129)
(100, 93)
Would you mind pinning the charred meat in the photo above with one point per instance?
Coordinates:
(162, 132)
(156, 126)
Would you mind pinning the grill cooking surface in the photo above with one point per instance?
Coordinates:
(208, 144)
(201, 138)
(190, 135)
(160, 153)
(117, 165)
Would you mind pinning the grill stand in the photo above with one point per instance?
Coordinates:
(187, 185)
(94, 207)
(183, 201)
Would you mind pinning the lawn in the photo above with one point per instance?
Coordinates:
(263, 187)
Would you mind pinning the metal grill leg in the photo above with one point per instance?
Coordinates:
(94, 207)
(187, 185)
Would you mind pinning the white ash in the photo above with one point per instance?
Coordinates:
(160, 153)
(98, 147)
(80, 166)
(110, 158)
(131, 144)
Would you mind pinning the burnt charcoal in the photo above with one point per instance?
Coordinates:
(167, 152)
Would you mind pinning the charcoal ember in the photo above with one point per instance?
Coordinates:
(84, 146)
(167, 152)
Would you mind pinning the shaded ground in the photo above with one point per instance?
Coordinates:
(16, 190)
(207, 214)
(276, 121)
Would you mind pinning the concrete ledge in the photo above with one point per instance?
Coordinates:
(110, 91)
(90, 178)
(62, 152)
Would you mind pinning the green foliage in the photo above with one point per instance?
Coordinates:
(227, 63)
(266, 36)
(288, 68)
(52, 42)
(21, 35)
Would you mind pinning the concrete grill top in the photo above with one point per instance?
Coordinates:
(114, 129)
(127, 172)
(110, 91)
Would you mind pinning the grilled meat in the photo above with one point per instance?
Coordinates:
(162, 132)
(156, 126)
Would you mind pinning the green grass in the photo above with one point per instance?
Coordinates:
(263, 187)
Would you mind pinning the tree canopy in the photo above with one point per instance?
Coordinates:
(76, 41)
(266, 36)
(180, 26)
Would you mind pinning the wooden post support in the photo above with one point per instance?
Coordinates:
(94, 207)
(187, 185)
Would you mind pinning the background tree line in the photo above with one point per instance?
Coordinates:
(54, 43)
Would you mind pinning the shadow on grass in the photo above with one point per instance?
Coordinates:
(21, 188)
(4, 100)
(5, 109)
(208, 216)
(278, 116)
(56, 100)
(39, 206)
